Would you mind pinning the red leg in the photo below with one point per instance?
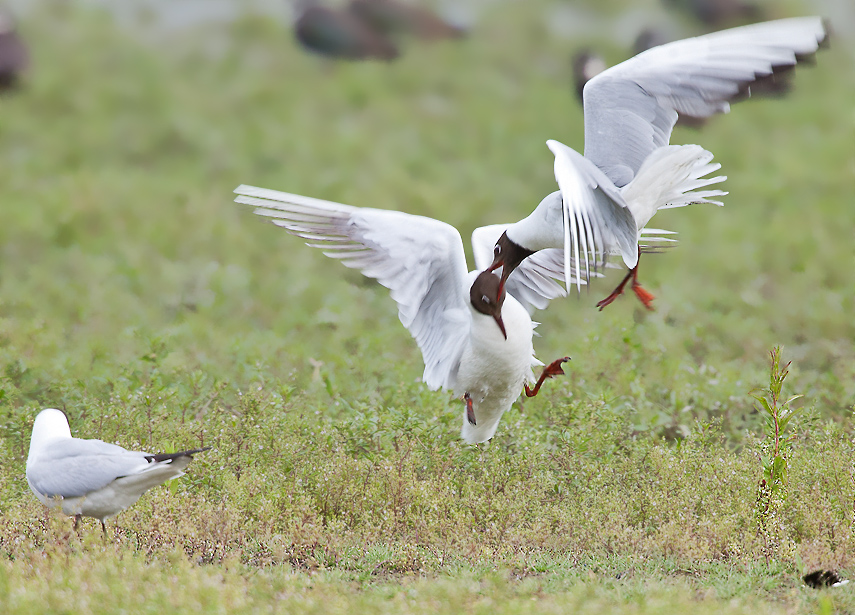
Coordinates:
(617, 291)
(470, 411)
(645, 297)
(553, 369)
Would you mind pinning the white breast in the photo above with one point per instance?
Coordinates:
(493, 369)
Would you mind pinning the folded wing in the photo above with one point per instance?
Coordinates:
(420, 260)
(73, 467)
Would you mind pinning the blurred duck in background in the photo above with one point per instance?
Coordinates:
(587, 64)
(393, 17)
(366, 29)
(14, 58)
(650, 37)
(717, 14)
(339, 34)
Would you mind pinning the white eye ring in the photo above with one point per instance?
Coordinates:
(497, 250)
(485, 299)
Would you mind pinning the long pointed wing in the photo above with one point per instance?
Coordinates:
(596, 217)
(420, 260)
(532, 283)
(630, 109)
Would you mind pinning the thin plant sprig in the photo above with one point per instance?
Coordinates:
(775, 466)
(774, 458)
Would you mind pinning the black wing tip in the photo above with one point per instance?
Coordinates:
(779, 82)
(173, 456)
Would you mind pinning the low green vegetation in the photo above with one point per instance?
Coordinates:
(138, 298)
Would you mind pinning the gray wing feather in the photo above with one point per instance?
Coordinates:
(75, 467)
(420, 260)
(631, 108)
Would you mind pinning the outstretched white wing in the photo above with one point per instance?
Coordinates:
(420, 260)
(630, 109)
(596, 218)
(532, 283)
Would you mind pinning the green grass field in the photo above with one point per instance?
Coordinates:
(135, 295)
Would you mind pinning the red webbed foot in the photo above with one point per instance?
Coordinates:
(550, 371)
(644, 296)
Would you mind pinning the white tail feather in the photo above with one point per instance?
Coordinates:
(670, 177)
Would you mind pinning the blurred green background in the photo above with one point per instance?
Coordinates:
(121, 150)
(138, 297)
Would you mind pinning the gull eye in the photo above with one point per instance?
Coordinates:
(485, 299)
(497, 250)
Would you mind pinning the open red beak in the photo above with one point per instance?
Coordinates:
(493, 267)
(501, 289)
(498, 319)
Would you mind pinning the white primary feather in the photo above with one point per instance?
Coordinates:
(670, 177)
(655, 240)
(596, 214)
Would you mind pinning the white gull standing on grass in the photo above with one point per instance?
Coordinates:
(471, 344)
(629, 170)
(92, 478)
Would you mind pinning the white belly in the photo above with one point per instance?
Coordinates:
(493, 370)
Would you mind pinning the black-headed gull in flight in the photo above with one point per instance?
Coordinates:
(92, 478)
(472, 344)
(629, 171)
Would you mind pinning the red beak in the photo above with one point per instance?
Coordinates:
(501, 288)
(498, 319)
(493, 267)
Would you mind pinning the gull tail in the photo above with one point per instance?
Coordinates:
(160, 468)
(655, 240)
(174, 456)
(672, 176)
